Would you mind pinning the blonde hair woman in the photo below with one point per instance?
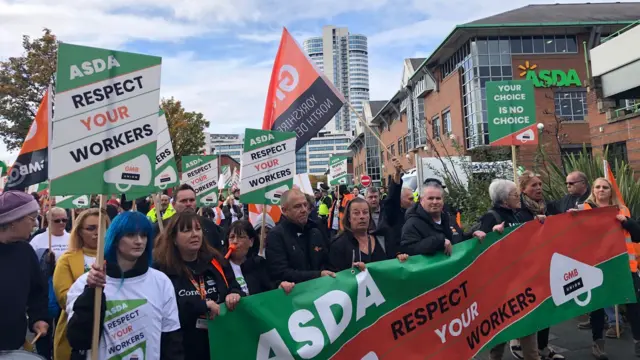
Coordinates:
(83, 242)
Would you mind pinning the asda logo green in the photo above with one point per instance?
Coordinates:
(549, 78)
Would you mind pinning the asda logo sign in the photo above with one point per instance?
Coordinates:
(549, 78)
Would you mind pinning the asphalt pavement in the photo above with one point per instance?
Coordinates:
(575, 344)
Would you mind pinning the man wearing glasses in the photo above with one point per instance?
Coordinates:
(578, 191)
(57, 220)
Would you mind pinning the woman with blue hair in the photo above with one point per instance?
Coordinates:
(139, 313)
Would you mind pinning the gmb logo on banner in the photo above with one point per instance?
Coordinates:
(571, 278)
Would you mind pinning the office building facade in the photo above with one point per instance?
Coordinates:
(344, 59)
(226, 144)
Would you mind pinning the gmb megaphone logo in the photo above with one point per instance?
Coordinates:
(571, 278)
(275, 194)
(167, 176)
(136, 171)
(81, 201)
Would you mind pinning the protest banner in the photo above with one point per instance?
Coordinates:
(39, 188)
(32, 165)
(439, 307)
(338, 170)
(201, 172)
(104, 130)
(73, 202)
(300, 98)
(268, 166)
(225, 177)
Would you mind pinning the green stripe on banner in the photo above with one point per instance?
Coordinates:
(439, 307)
(271, 193)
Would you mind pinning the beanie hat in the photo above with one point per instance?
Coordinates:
(15, 205)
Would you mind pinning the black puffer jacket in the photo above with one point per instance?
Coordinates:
(422, 236)
(344, 246)
(294, 253)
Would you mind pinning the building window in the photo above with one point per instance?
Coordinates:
(406, 143)
(400, 141)
(446, 122)
(435, 127)
(571, 105)
(575, 150)
(392, 148)
(616, 152)
(548, 44)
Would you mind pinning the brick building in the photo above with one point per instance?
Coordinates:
(445, 93)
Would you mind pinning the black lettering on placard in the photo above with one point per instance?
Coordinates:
(163, 155)
(270, 151)
(311, 111)
(112, 143)
(107, 92)
(270, 177)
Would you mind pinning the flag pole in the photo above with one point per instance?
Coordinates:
(97, 302)
(263, 228)
(156, 204)
(364, 123)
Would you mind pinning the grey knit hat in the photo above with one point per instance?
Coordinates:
(15, 205)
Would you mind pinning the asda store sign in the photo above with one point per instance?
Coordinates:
(549, 78)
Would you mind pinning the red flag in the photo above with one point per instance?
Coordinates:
(300, 98)
(608, 174)
(31, 166)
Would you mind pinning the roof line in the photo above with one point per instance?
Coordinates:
(524, 25)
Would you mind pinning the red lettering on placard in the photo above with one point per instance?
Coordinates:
(267, 164)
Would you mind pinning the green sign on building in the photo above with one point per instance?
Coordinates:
(511, 113)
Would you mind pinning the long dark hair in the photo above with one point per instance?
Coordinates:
(166, 254)
(346, 221)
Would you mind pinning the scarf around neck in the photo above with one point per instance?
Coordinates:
(536, 207)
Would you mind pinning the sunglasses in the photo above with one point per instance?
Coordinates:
(60, 221)
(573, 182)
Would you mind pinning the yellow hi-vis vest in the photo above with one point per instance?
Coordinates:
(323, 209)
(153, 217)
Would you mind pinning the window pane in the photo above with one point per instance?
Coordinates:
(549, 44)
(483, 47)
(494, 46)
(516, 45)
(506, 70)
(494, 60)
(572, 46)
(561, 44)
(496, 71)
(527, 45)
(538, 44)
(505, 59)
(483, 60)
(504, 46)
(484, 71)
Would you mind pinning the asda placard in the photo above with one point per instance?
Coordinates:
(166, 169)
(268, 166)
(225, 175)
(201, 172)
(73, 202)
(338, 170)
(104, 130)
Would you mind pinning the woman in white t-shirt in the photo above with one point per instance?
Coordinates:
(139, 312)
(83, 242)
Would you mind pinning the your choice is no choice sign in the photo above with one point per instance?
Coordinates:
(511, 112)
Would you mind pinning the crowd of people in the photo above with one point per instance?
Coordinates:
(204, 258)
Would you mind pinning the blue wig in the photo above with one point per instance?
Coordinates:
(127, 223)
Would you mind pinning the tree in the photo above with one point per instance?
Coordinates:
(186, 129)
(23, 82)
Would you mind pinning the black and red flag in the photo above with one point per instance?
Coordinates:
(32, 165)
(300, 98)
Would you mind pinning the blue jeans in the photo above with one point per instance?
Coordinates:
(611, 316)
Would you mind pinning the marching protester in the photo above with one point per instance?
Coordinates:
(534, 207)
(427, 229)
(83, 243)
(577, 192)
(232, 209)
(336, 213)
(372, 196)
(24, 289)
(185, 199)
(324, 204)
(144, 296)
(399, 200)
(57, 220)
(166, 209)
(356, 245)
(602, 195)
(201, 276)
(249, 268)
(505, 202)
(296, 249)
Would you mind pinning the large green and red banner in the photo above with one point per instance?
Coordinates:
(438, 307)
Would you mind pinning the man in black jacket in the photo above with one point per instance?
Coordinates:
(427, 229)
(397, 202)
(296, 249)
(578, 190)
(185, 200)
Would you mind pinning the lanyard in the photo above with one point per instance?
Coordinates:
(200, 288)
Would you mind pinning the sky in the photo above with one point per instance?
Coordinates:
(218, 54)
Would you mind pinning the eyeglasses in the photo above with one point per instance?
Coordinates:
(574, 182)
(60, 221)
